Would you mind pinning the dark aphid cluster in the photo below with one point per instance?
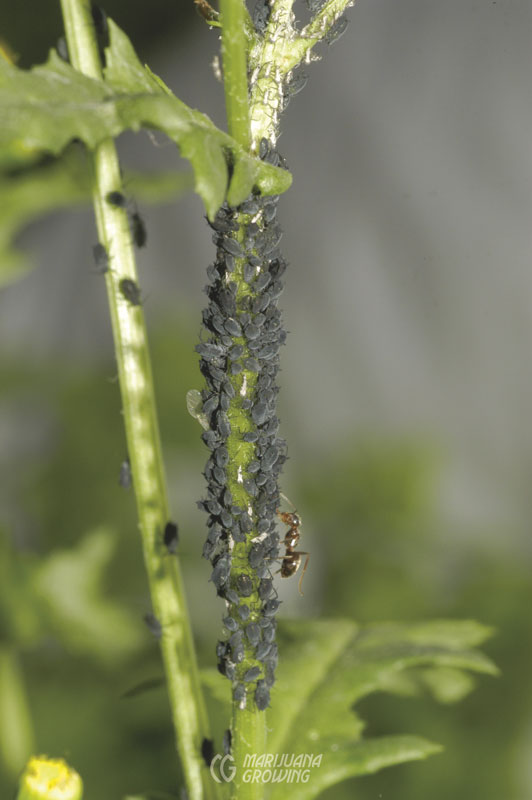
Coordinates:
(239, 358)
(261, 15)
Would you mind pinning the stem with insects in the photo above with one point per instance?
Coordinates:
(136, 386)
(248, 724)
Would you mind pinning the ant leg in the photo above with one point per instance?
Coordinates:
(305, 565)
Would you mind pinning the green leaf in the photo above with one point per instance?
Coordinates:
(68, 584)
(327, 666)
(45, 108)
(63, 183)
(351, 759)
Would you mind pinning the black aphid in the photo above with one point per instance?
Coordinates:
(138, 229)
(101, 258)
(130, 291)
(261, 15)
(337, 30)
(230, 623)
(171, 537)
(125, 477)
(252, 674)
(265, 588)
(262, 650)
(62, 49)
(253, 633)
(232, 247)
(259, 413)
(297, 83)
(207, 751)
(243, 612)
(116, 199)
(270, 607)
(239, 694)
(226, 741)
(244, 585)
(262, 696)
(153, 624)
(221, 571)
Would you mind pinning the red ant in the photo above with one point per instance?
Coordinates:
(291, 561)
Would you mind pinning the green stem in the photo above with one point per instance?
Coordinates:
(249, 738)
(136, 385)
(276, 54)
(234, 55)
(248, 725)
(16, 730)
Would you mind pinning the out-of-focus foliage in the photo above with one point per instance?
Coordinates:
(65, 182)
(45, 108)
(74, 625)
(328, 666)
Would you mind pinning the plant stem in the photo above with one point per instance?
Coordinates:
(16, 729)
(234, 55)
(248, 724)
(136, 385)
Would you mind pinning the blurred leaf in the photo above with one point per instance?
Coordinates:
(45, 108)
(351, 759)
(327, 666)
(69, 584)
(63, 183)
(20, 618)
(16, 729)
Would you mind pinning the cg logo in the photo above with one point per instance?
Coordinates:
(227, 773)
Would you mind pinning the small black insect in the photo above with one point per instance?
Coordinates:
(171, 537)
(101, 258)
(253, 633)
(226, 741)
(262, 696)
(125, 477)
(62, 49)
(116, 199)
(130, 290)
(337, 30)
(207, 751)
(244, 585)
(230, 623)
(138, 229)
(252, 674)
(153, 624)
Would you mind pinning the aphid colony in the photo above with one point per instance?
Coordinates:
(241, 350)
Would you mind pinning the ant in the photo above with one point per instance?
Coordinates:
(291, 561)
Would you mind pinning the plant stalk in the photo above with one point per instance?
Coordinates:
(144, 448)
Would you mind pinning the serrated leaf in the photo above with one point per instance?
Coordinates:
(327, 666)
(45, 108)
(351, 759)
